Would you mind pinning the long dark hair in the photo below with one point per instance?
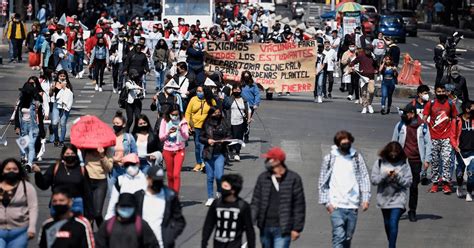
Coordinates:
(245, 81)
(393, 153)
(22, 173)
(145, 118)
(68, 82)
(212, 110)
(68, 147)
(159, 46)
(208, 96)
(173, 108)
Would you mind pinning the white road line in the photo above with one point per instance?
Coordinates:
(90, 83)
(429, 49)
(87, 91)
(83, 101)
(413, 44)
(89, 87)
(80, 106)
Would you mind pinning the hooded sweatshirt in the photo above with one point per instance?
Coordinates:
(391, 192)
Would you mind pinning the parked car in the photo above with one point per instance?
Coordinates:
(409, 18)
(393, 26)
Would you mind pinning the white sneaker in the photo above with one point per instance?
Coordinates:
(349, 97)
(320, 99)
(77, 76)
(364, 111)
(115, 91)
(237, 158)
(356, 101)
(371, 110)
(209, 202)
(81, 74)
(459, 192)
(468, 197)
(100, 89)
(217, 195)
(96, 87)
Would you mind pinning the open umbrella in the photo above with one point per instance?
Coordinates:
(343, 2)
(350, 7)
(89, 132)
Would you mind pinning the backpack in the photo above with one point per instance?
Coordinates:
(138, 226)
(123, 97)
(400, 125)
(356, 159)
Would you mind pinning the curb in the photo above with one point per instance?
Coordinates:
(401, 91)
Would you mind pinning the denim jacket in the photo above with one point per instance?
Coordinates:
(129, 144)
(423, 136)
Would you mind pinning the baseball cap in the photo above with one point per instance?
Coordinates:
(275, 153)
(156, 173)
(131, 158)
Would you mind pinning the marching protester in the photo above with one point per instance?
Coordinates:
(330, 56)
(161, 208)
(125, 144)
(126, 228)
(31, 37)
(350, 78)
(344, 186)
(78, 46)
(196, 113)
(15, 32)
(380, 48)
(66, 228)
(67, 172)
(64, 98)
(459, 82)
(162, 62)
(464, 150)
(392, 175)
(147, 142)
(414, 137)
(19, 206)
(99, 61)
(389, 73)
(164, 100)
(422, 97)
(393, 50)
(186, 81)
(136, 94)
(278, 202)
(319, 83)
(138, 61)
(441, 112)
(215, 131)
(240, 118)
(174, 132)
(251, 94)
(118, 51)
(234, 211)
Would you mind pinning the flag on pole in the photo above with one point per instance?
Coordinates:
(63, 20)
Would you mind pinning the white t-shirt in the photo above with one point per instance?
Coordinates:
(183, 81)
(236, 117)
(55, 37)
(330, 58)
(153, 212)
(343, 186)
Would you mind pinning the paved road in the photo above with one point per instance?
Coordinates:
(305, 131)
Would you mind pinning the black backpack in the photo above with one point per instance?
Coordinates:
(123, 97)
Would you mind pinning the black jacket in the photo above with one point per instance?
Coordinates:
(394, 52)
(216, 130)
(292, 201)
(192, 83)
(173, 220)
(125, 50)
(153, 142)
(137, 61)
(124, 234)
(460, 87)
(74, 232)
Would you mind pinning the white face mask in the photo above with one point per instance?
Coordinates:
(425, 97)
(169, 90)
(132, 170)
(455, 75)
(352, 49)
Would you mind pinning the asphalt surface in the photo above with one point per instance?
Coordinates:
(305, 130)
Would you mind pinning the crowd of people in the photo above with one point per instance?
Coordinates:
(142, 170)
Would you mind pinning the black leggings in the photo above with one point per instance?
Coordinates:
(133, 111)
(415, 167)
(99, 68)
(238, 132)
(354, 85)
(99, 191)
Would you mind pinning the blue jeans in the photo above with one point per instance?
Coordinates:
(54, 122)
(470, 170)
(160, 79)
(343, 222)
(198, 146)
(388, 87)
(30, 129)
(214, 169)
(271, 238)
(10, 49)
(318, 91)
(78, 64)
(144, 165)
(114, 174)
(62, 117)
(14, 238)
(391, 217)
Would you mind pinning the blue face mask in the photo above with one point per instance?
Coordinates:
(125, 212)
(200, 95)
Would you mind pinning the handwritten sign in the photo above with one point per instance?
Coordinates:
(350, 21)
(285, 67)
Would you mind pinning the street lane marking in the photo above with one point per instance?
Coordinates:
(80, 106)
(429, 49)
(413, 44)
(89, 87)
(83, 101)
(87, 91)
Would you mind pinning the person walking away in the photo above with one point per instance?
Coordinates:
(320, 65)
(422, 97)
(195, 60)
(135, 96)
(67, 172)
(439, 58)
(164, 100)
(389, 73)
(67, 229)
(147, 142)
(464, 148)
(78, 46)
(214, 131)
(414, 136)
(127, 228)
(132, 181)
(392, 176)
(239, 118)
(162, 62)
(174, 132)
(349, 78)
(393, 51)
(16, 33)
(196, 114)
(229, 209)
(64, 100)
(330, 60)
(441, 112)
(99, 60)
(19, 206)
(344, 186)
(278, 202)
(31, 37)
(251, 94)
(119, 51)
(366, 72)
(459, 82)
(160, 207)
(59, 56)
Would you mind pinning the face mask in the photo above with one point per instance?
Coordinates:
(125, 212)
(441, 97)
(455, 75)
(62, 81)
(58, 210)
(203, 35)
(327, 48)
(216, 117)
(345, 148)
(200, 95)
(425, 97)
(268, 167)
(132, 170)
(174, 117)
(287, 30)
(181, 23)
(352, 49)
(405, 119)
(11, 177)
(226, 192)
(237, 94)
(157, 185)
(117, 129)
(297, 34)
(392, 157)
(169, 90)
(70, 159)
(100, 44)
(142, 128)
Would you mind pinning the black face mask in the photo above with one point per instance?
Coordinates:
(142, 128)
(345, 148)
(226, 192)
(11, 177)
(216, 117)
(157, 185)
(117, 129)
(237, 94)
(70, 159)
(60, 209)
(441, 97)
(405, 119)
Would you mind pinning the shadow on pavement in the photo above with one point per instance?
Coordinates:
(424, 217)
(189, 203)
